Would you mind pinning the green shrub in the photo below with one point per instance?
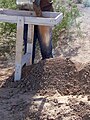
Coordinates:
(8, 4)
(4, 27)
(7, 31)
(70, 13)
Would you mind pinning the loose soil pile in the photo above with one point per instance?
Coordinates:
(51, 90)
(59, 74)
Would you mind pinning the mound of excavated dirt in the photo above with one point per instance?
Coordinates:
(55, 74)
(51, 90)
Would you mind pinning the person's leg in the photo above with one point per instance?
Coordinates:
(25, 37)
(34, 42)
(45, 41)
(44, 36)
(45, 32)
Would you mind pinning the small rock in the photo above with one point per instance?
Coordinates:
(82, 103)
(86, 117)
(88, 98)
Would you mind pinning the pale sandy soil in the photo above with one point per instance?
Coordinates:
(78, 46)
(84, 43)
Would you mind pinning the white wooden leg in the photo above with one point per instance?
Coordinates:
(19, 47)
(30, 43)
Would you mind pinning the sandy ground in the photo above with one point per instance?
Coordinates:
(56, 89)
(84, 43)
(77, 46)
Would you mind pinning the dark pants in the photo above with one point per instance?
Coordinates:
(45, 43)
